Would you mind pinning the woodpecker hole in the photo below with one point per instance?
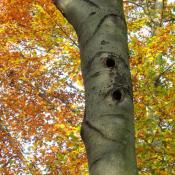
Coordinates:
(110, 62)
(117, 95)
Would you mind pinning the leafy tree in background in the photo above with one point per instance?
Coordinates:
(41, 94)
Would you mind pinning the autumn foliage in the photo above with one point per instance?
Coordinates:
(42, 96)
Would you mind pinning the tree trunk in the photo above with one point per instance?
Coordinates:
(107, 128)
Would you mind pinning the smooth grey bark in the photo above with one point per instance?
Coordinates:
(107, 128)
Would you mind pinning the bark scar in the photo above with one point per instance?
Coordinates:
(100, 23)
(91, 3)
(89, 125)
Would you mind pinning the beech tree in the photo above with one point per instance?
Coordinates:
(42, 94)
(107, 128)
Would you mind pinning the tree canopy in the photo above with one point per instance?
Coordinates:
(42, 95)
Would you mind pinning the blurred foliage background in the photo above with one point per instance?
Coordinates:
(42, 95)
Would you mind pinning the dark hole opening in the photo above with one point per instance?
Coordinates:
(110, 62)
(117, 95)
(93, 13)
